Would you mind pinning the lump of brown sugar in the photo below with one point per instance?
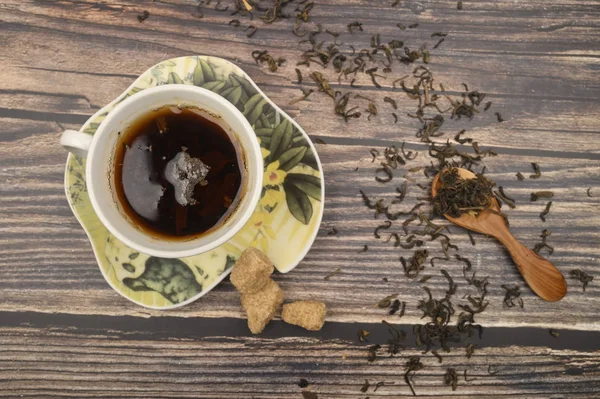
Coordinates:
(251, 272)
(306, 314)
(261, 306)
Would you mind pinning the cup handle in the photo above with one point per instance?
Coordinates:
(76, 142)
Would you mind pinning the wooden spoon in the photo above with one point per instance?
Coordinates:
(541, 275)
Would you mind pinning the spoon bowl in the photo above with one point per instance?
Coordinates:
(541, 275)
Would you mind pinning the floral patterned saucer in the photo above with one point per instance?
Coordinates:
(284, 224)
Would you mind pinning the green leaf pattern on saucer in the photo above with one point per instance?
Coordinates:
(284, 224)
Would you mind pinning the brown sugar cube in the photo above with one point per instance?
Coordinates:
(251, 272)
(306, 314)
(261, 306)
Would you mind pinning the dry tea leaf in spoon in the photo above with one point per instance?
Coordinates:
(466, 199)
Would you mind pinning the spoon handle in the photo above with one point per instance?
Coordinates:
(541, 275)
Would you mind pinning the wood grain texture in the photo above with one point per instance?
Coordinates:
(111, 358)
(31, 272)
(538, 62)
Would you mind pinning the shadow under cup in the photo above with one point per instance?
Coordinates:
(101, 169)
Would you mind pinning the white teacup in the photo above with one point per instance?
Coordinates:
(100, 150)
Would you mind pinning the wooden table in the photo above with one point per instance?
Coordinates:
(65, 333)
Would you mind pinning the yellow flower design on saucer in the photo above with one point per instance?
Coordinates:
(273, 175)
(272, 197)
(261, 221)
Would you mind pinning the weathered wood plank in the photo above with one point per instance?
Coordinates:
(64, 360)
(32, 269)
(535, 101)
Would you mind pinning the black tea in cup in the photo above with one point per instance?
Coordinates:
(177, 172)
